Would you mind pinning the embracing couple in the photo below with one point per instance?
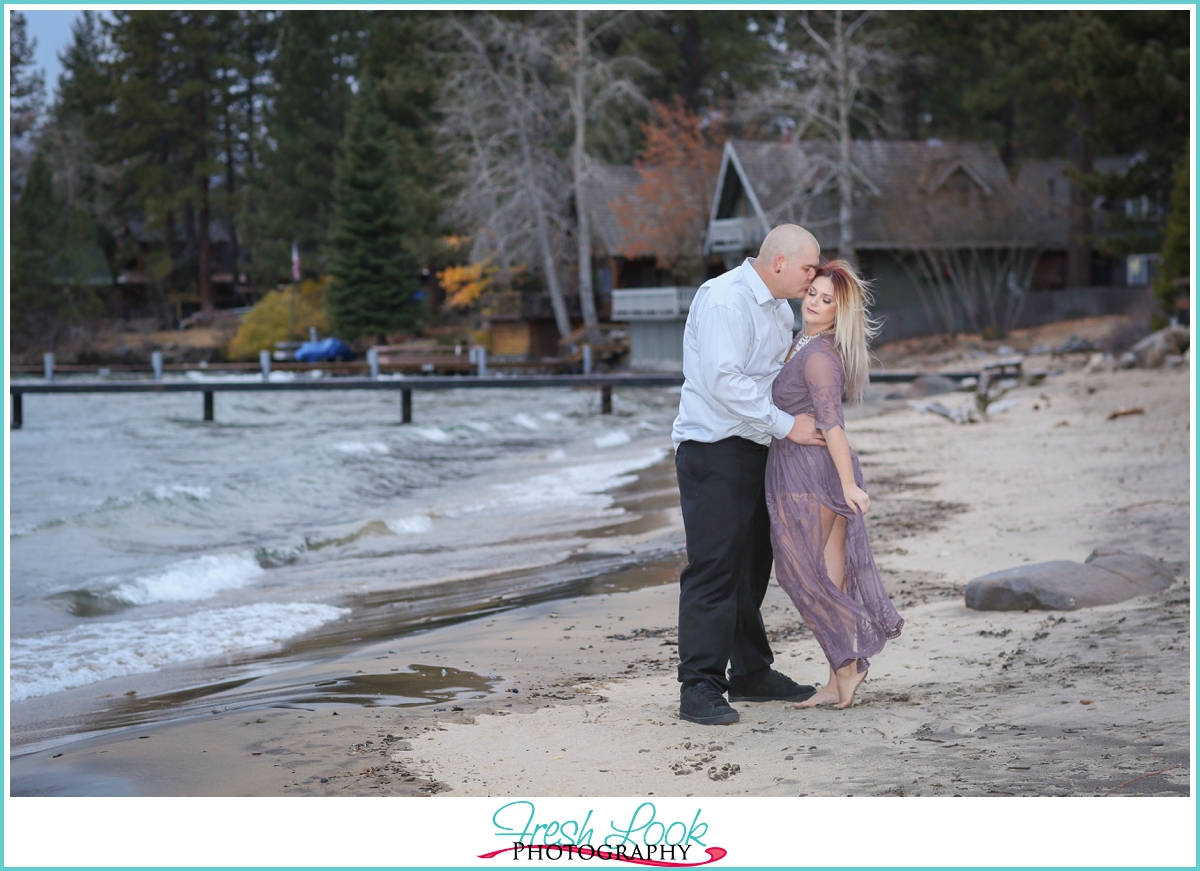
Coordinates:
(766, 474)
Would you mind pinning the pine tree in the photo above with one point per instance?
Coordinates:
(375, 274)
(36, 231)
(308, 95)
(26, 92)
(27, 87)
(1176, 253)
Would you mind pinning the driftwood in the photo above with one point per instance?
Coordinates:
(995, 380)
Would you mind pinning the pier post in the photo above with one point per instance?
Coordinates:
(16, 410)
(373, 361)
(481, 361)
(156, 364)
(606, 399)
(264, 360)
(48, 365)
(406, 405)
(208, 405)
(587, 359)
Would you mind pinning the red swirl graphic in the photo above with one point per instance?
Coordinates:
(715, 854)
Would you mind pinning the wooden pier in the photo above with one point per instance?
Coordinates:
(404, 386)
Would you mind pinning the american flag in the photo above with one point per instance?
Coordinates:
(295, 262)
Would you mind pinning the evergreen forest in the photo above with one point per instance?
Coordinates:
(184, 155)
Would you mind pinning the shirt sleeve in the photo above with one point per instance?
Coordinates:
(725, 338)
(825, 379)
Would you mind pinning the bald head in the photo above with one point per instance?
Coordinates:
(790, 241)
(787, 261)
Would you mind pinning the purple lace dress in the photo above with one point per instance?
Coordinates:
(800, 479)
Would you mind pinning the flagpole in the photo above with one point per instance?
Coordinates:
(295, 280)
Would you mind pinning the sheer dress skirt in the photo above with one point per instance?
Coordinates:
(800, 479)
(849, 626)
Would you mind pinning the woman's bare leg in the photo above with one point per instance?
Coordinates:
(847, 678)
(833, 534)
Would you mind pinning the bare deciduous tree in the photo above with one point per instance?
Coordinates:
(829, 85)
(596, 83)
(988, 283)
(500, 116)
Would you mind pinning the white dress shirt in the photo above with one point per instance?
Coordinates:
(734, 344)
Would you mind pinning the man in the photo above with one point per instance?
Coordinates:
(738, 331)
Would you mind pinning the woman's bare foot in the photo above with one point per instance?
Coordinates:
(826, 695)
(848, 680)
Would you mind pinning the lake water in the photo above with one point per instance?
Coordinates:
(143, 539)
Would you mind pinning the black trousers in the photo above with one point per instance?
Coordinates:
(722, 493)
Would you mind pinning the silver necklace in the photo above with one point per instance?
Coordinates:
(805, 339)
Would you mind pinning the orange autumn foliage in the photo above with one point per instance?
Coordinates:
(666, 214)
(465, 284)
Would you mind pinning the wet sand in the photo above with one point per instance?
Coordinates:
(574, 693)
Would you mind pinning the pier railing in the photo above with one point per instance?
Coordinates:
(404, 385)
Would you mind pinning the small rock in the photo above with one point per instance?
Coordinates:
(931, 384)
(324, 780)
(1074, 345)
(1085, 701)
(724, 772)
(456, 708)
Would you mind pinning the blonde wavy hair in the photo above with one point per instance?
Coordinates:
(854, 328)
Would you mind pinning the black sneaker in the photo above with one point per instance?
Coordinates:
(703, 703)
(768, 685)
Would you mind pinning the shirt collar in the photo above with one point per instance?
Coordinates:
(762, 295)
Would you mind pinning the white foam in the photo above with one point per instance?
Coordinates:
(361, 448)
(191, 579)
(523, 419)
(612, 439)
(481, 426)
(432, 433)
(581, 488)
(552, 416)
(93, 652)
(556, 454)
(415, 523)
(169, 493)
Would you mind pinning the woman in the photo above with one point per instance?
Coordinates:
(815, 493)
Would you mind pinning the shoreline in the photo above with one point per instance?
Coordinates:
(963, 703)
(612, 553)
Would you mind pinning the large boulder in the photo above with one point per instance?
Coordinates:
(1108, 575)
(1153, 351)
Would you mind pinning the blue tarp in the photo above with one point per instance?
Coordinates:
(324, 351)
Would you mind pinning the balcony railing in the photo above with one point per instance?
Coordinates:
(732, 235)
(651, 303)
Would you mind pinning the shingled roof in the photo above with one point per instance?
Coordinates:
(608, 189)
(912, 194)
(617, 211)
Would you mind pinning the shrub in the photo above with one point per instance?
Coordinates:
(267, 322)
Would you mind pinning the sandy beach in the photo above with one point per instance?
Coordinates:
(577, 696)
